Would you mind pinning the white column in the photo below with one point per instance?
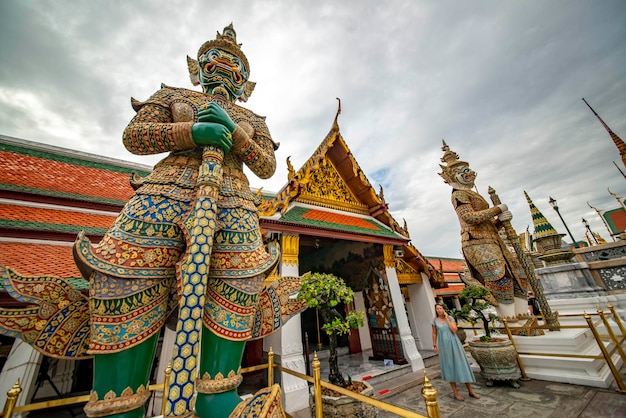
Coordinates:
(23, 363)
(423, 311)
(364, 331)
(287, 341)
(408, 342)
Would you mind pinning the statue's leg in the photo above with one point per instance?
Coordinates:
(506, 311)
(216, 397)
(520, 293)
(521, 306)
(132, 283)
(125, 369)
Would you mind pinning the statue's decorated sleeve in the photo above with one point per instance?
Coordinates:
(465, 212)
(253, 144)
(152, 131)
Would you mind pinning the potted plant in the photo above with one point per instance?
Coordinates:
(476, 308)
(324, 292)
(496, 356)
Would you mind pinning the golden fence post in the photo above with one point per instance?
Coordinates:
(12, 395)
(317, 325)
(429, 393)
(317, 386)
(607, 356)
(609, 330)
(617, 319)
(270, 367)
(166, 385)
(519, 360)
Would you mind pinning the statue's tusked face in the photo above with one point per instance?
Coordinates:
(222, 73)
(465, 176)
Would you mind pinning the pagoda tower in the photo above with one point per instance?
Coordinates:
(546, 238)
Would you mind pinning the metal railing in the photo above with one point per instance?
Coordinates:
(429, 393)
(14, 392)
(607, 355)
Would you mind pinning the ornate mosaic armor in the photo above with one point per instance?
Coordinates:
(488, 258)
(132, 268)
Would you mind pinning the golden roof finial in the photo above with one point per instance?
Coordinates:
(451, 159)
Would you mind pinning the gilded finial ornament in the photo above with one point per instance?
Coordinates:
(226, 41)
(452, 161)
(290, 170)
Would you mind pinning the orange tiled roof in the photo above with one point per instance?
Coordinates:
(337, 218)
(39, 174)
(54, 216)
(39, 259)
(455, 265)
(453, 289)
(318, 218)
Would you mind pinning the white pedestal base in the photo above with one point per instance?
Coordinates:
(580, 371)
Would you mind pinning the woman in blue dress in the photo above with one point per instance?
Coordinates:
(452, 359)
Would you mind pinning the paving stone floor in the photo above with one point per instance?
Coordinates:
(535, 398)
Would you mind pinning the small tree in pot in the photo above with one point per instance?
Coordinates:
(496, 357)
(473, 310)
(324, 292)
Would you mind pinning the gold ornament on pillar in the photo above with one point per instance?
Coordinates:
(290, 249)
(389, 259)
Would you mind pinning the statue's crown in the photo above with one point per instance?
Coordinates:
(226, 41)
(452, 161)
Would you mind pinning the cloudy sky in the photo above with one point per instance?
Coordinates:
(500, 81)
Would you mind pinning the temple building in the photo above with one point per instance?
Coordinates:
(452, 270)
(327, 218)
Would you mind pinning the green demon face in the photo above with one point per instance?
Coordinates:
(222, 73)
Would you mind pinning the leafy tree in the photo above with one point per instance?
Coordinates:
(324, 292)
(474, 308)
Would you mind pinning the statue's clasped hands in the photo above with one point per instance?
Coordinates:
(506, 214)
(214, 127)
